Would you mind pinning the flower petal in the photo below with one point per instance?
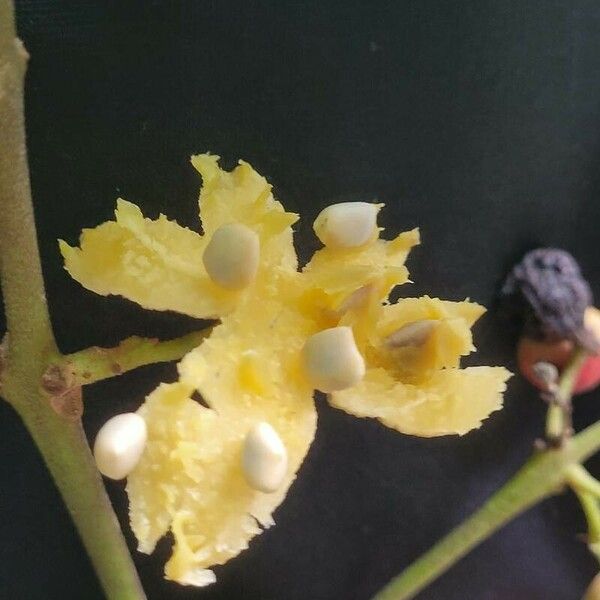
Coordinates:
(158, 263)
(407, 310)
(418, 388)
(244, 196)
(190, 477)
(452, 401)
(338, 273)
(450, 339)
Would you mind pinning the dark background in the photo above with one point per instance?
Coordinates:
(478, 121)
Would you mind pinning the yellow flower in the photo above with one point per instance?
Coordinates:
(158, 264)
(416, 386)
(190, 478)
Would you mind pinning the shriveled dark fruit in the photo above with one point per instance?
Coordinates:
(555, 296)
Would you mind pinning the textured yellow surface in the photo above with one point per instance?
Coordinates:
(158, 263)
(189, 480)
(190, 475)
(419, 389)
(379, 264)
(451, 401)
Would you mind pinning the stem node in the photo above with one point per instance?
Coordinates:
(62, 392)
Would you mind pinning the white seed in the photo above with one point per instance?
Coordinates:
(264, 458)
(232, 255)
(332, 360)
(347, 225)
(119, 445)
(197, 577)
(356, 299)
(411, 334)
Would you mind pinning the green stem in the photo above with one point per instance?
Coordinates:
(578, 477)
(587, 489)
(542, 476)
(19, 260)
(95, 364)
(593, 591)
(539, 478)
(31, 344)
(64, 448)
(591, 509)
(555, 423)
(558, 415)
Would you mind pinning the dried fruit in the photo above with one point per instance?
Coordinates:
(555, 292)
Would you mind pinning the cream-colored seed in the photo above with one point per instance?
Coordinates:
(332, 360)
(347, 225)
(264, 458)
(198, 577)
(119, 445)
(411, 334)
(231, 257)
(356, 299)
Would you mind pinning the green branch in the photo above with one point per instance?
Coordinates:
(539, 478)
(65, 451)
(579, 478)
(587, 489)
(591, 510)
(545, 474)
(94, 364)
(558, 417)
(61, 442)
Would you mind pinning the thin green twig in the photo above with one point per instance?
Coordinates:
(94, 364)
(545, 474)
(578, 477)
(591, 509)
(558, 417)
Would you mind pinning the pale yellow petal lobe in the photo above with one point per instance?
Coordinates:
(158, 264)
(453, 401)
